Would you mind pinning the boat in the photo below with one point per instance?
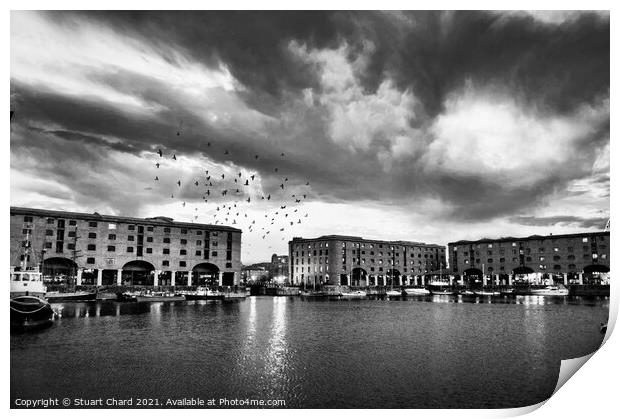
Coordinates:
(55, 296)
(156, 297)
(312, 294)
(125, 297)
(353, 294)
(27, 282)
(204, 294)
(551, 290)
(467, 292)
(393, 293)
(442, 292)
(486, 293)
(29, 313)
(416, 291)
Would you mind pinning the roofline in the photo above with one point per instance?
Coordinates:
(528, 238)
(155, 221)
(361, 239)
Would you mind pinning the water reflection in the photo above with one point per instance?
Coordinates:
(277, 350)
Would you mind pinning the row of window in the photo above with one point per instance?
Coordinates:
(553, 240)
(113, 226)
(529, 251)
(109, 261)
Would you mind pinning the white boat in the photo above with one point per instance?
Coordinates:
(486, 293)
(417, 291)
(550, 291)
(394, 293)
(353, 294)
(27, 282)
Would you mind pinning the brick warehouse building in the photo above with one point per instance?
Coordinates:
(567, 258)
(354, 261)
(107, 250)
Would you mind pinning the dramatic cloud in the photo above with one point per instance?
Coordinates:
(440, 125)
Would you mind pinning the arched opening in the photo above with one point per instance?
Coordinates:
(596, 275)
(472, 277)
(138, 273)
(392, 277)
(205, 275)
(59, 269)
(359, 277)
(523, 275)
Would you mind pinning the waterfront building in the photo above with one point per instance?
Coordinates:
(258, 272)
(569, 258)
(95, 249)
(355, 261)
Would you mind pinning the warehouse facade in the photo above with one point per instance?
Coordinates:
(94, 249)
(354, 261)
(568, 258)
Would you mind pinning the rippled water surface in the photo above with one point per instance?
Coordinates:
(427, 352)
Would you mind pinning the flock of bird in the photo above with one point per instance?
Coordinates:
(234, 195)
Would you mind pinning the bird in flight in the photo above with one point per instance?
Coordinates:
(179, 183)
(157, 165)
(159, 152)
(156, 177)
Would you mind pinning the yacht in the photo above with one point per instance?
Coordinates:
(29, 309)
(417, 291)
(353, 294)
(551, 290)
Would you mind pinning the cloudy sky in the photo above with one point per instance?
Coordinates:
(424, 126)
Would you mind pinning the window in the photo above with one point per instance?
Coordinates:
(149, 240)
(166, 239)
(557, 267)
(228, 265)
(165, 263)
(111, 248)
(50, 221)
(183, 231)
(199, 233)
(182, 263)
(92, 224)
(571, 267)
(27, 219)
(166, 251)
(111, 236)
(183, 252)
(198, 253)
(90, 261)
(26, 231)
(70, 246)
(130, 249)
(214, 253)
(48, 245)
(91, 247)
(72, 222)
(585, 240)
(149, 250)
(49, 232)
(198, 242)
(489, 260)
(61, 223)
(166, 229)
(109, 261)
(131, 227)
(149, 228)
(111, 226)
(130, 238)
(92, 235)
(183, 241)
(214, 244)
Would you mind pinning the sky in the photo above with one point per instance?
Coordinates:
(419, 126)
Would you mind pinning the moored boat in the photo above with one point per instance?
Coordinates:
(157, 297)
(29, 313)
(416, 291)
(551, 291)
(393, 293)
(55, 297)
(353, 294)
(204, 294)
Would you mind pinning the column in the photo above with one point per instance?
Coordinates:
(423, 280)
(78, 280)
(99, 277)
(189, 278)
(510, 279)
(497, 280)
(565, 279)
(484, 280)
(155, 278)
(348, 280)
(236, 280)
(172, 279)
(119, 277)
(580, 278)
(221, 278)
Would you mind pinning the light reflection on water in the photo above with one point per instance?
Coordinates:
(422, 351)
